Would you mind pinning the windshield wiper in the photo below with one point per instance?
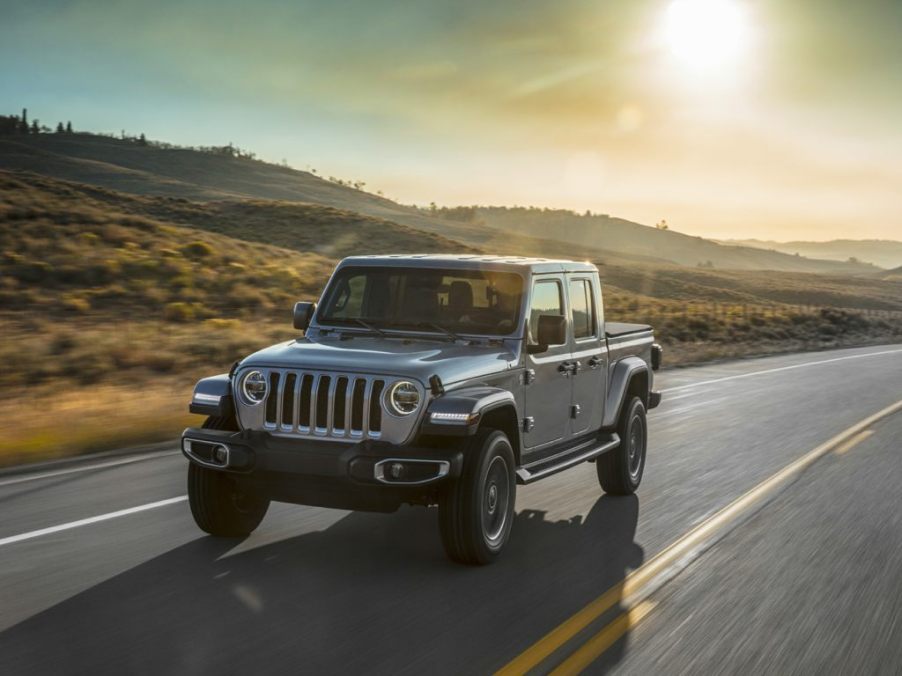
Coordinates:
(365, 324)
(442, 329)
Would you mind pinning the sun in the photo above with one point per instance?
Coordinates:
(706, 35)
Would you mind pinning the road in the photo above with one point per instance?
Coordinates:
(102, 569)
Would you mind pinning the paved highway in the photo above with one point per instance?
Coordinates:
(730, 565)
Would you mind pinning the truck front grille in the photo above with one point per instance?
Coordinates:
(324, 404)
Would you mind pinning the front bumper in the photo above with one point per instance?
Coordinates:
(369, 475)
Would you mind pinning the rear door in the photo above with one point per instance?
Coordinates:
(589, 353)
(547, 397)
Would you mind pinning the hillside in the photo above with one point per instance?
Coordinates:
(128, 167)
(622, 236)
(882, 252)
(334, 233)
(113, 304)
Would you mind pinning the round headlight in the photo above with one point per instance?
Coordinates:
(403, 398)
(254, 387)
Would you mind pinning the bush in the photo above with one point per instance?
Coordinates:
(178, 312)
(197, 249)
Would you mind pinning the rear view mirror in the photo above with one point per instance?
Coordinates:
(303, 313)
(552, 330)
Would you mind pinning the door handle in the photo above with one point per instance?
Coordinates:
(595, 361)
(564, 368)
(576, 367)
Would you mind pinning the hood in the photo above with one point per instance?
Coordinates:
(408, 357)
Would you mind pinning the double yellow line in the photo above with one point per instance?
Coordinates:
(637, 585)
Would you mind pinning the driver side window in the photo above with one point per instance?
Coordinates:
(547, 299)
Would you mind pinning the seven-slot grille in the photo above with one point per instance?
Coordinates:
(324, 404)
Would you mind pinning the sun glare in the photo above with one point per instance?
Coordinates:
(706, 35)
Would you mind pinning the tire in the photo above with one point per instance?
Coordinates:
(219, 504)
(620, 471)
(477, 511)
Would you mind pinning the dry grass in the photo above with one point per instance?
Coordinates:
(54, 422)
(113, 305)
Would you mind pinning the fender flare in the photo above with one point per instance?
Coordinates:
(622, 375)
(213, 396)
(465, 409)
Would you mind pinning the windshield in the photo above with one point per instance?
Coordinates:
(424, 299)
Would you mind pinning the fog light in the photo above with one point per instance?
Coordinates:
(221, 455)
(396, 470)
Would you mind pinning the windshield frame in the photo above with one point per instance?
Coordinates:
(322, 323)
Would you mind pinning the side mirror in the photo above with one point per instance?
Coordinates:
(303, 313)
(552, 330)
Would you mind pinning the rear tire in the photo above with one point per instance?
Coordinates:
(220, 504)
(620, 471)
(477, 511)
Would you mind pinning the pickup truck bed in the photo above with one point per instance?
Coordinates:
(628, 339)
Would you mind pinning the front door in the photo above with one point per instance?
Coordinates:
(547, 396)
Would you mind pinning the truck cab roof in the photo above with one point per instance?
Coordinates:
(520, 264)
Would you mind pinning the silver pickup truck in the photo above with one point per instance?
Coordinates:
(428, 380)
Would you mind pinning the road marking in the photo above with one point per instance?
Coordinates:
(86, 468)
(778, 369)
(645, 579)
(853, 442)
(604, 639)
(93, 519)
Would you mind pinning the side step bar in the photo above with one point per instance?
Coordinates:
(558, 463)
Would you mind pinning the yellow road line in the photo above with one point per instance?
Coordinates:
(853, 442)
(604, 639)
(686, 548)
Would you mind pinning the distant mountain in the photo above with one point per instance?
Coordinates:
(885, 253)
(154, 170)
(894, 275)
(619, 235)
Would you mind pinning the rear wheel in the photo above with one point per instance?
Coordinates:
(620, 471)
(477, 511)
(220, 503)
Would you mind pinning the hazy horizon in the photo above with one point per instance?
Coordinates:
(730, 119)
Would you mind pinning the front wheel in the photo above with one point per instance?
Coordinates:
(477, 511)
(219, 503)
(620, 471)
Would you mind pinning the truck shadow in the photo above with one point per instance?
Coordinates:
(371, 593)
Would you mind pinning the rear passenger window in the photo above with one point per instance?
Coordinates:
(546, 300)
(582, 305)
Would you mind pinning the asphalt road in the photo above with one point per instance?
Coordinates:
(808, 582)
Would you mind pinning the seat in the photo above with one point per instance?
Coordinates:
(460, 299)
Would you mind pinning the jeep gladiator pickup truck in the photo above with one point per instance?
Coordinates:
(428, 380)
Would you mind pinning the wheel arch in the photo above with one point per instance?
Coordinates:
(630, 378)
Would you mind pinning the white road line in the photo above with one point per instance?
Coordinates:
(93, 519)
(781, 368)
(86, 468)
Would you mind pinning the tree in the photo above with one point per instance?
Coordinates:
(142, 140)
(68, 127)
(59, 128)
(662, 225)
(23, 123)
(35, 127)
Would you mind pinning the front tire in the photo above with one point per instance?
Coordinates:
(220, 505)
(477, 511)
(620, 471)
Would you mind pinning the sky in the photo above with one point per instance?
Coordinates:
(762, 119)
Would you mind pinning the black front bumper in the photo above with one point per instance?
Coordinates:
(368, 475)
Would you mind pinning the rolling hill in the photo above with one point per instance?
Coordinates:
(330, 234)
(883, 252)
(153, 170)
(622, 236)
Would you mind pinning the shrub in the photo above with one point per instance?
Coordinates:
(178, 312)
(197, 249)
